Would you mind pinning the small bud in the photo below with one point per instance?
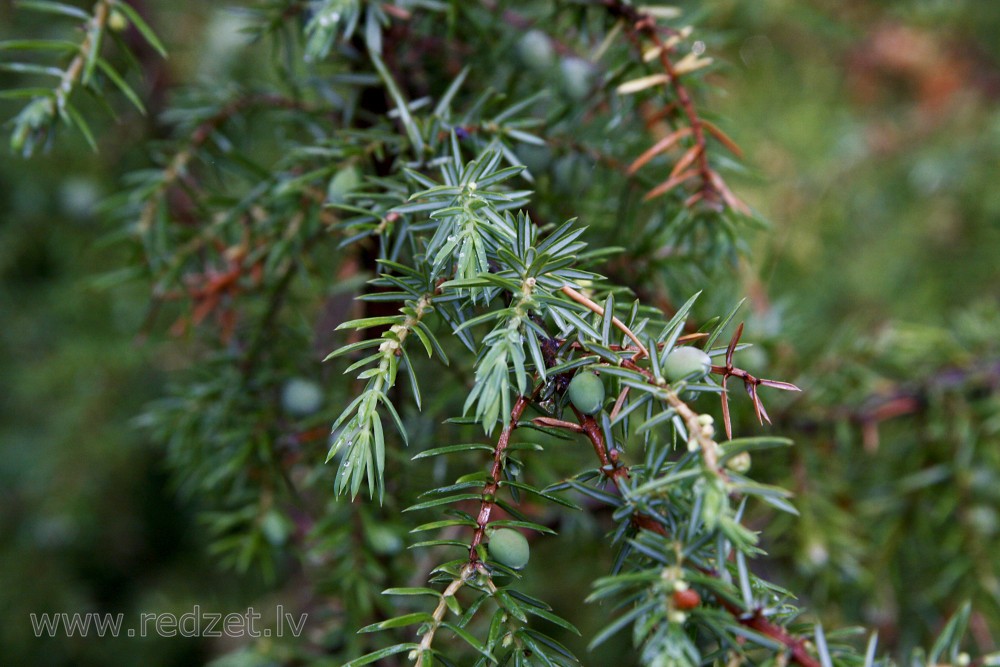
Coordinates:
(739, 463)
(117, 21)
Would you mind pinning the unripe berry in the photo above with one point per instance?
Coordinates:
(586, 392)
(276, 528)
(686, 363)
(983, 519)
(79, 197)
(535, 50)
(383, 540)
(301, 397)
(509, 547)
(577, 77)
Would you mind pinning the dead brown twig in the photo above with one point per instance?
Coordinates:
(750, 383)
(642, 28)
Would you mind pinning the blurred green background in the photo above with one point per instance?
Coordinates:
(872, 132)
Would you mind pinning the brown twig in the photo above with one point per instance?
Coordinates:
(686, 338)
(608, 458)
(551, 422)
(750, 383)
(589, 303)
(442, 608)
(753, 619)
(493, 484)
(695, 427)
(619, 402)
(72, 74)
(694, 161)
(615, 471)
(701, 434)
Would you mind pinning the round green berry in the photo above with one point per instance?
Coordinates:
(577, 77)
(983, 519)
(383, 540)
(276, 527)
(301, 397)
(686, 363)
(536, 50)
(509, 547)
(586, 392)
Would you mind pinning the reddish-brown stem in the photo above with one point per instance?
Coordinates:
(686, 338)
(752, 619)
(493, 485)
(639, 23)
(712, 188)
(757, 621)
(584, 300)
(619, 402)
(648, 25)
(613, 470)
(750, 383)
(551, 422)
(609, 463)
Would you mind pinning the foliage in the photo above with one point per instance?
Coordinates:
(87, 69)
(399, 153)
